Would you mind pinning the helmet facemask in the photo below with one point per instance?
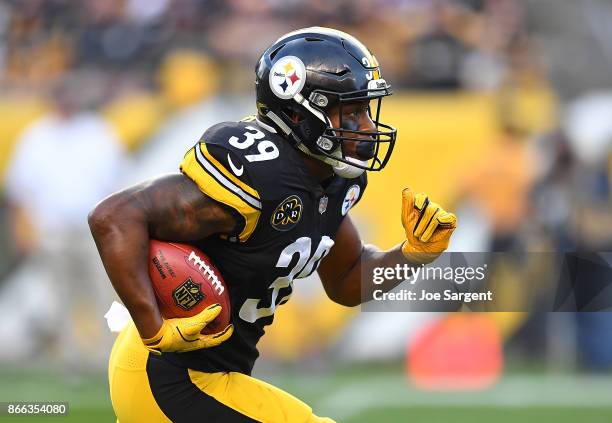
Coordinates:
(374, 147)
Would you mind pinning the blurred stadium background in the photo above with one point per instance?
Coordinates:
(504, 112)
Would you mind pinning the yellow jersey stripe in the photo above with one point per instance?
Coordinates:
(225, 178)
(208, 180)
(209, 157)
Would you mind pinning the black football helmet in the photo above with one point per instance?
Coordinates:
(307, 72)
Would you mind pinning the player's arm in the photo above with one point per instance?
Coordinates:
(428, 228)
(170, 208)
(340, 271)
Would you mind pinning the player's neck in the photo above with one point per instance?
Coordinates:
(320, 170)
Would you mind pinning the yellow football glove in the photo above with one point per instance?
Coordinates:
(428, 227)
(183, 334)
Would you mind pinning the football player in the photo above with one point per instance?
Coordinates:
(267, 198)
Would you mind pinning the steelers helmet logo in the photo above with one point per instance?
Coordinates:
(287, 214)
(351, 197)
(287, 77)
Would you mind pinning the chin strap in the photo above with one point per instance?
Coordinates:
(279, 122)
(328, 160)
(297, 142)
(341, 169)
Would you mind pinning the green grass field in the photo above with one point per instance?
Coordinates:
(358, 395)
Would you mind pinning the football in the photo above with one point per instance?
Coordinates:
(186, 282)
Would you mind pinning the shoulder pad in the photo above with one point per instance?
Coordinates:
(223, 175)
(249, 150)
(244, 136)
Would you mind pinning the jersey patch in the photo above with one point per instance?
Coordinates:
(351, 197)
(287, 214)
(323, 204)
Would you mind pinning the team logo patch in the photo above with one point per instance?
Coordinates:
(287, 77)
(323, 204)
(287, 214)
(188, 294)
(351, 197)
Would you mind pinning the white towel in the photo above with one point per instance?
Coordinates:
(117, 317)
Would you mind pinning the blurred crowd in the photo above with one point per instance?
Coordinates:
(98, 94)
(427, 44)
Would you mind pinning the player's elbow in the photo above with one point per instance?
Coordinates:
(100, 218)
(107, 214)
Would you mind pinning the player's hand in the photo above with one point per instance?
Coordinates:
(428, 227)
(183, 334)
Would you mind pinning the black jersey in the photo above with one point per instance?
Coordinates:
(288, 220)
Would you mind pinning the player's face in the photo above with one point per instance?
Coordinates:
(356, 117)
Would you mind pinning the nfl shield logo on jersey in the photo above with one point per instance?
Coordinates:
(323, 204)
